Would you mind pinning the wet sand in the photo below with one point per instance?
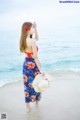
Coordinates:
(59, 102)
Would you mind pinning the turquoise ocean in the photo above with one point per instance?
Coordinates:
(59, 50)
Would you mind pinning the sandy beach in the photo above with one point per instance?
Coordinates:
(61, 101)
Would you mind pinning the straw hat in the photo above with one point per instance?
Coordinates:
(40, 83)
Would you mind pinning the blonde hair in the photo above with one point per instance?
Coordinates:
(24, 34)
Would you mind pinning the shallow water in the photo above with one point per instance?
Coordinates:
(58, 50)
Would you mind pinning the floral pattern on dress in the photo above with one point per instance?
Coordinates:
(29, 71)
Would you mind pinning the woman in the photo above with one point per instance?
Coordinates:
(31, 65)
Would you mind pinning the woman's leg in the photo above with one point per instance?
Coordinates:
(38, 99)
(36, 103)
(28, 107)
(26, 93)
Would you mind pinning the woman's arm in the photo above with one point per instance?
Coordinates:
(35, 55)
(36, 34)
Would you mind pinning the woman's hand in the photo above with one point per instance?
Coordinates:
(34, 24)
(43, 74)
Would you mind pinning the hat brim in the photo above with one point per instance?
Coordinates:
(42, 86)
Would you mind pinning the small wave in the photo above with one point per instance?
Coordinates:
(7, 81)
(64, 72)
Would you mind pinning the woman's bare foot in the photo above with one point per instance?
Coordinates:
(36, 103)
(28, 110)
(28, 107)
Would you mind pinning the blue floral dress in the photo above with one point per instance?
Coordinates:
(29, 71)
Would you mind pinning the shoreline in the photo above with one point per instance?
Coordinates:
(54, 73)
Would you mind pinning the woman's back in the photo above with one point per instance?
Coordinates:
(29, 51)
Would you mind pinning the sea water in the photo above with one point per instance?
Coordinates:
(59, 49)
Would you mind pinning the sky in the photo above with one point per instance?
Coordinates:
(48, 14)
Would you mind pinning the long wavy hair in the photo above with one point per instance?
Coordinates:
(24, 34)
